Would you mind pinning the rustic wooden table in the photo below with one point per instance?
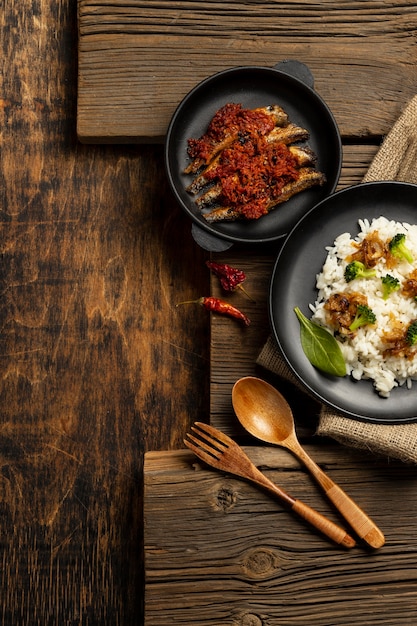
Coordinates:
(98, 367)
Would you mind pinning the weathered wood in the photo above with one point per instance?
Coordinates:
(95, 366)
(137, 61)
(236, 556)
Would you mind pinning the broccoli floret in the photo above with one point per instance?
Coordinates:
(389, 284)
(356, 269)
(398, 248)
(364, 315)
(411, 334)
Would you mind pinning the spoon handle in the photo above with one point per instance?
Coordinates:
(313, 517)
(365, 528)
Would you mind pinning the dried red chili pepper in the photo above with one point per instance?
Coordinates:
(230, 277)
(219, 306)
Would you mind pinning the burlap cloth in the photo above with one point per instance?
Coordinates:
(395, 160)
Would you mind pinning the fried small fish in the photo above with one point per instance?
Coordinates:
(287, 136)
(308, 178)
(217, 139)
(304, 155)
(246, 163)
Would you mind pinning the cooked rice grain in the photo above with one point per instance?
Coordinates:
(363, 351)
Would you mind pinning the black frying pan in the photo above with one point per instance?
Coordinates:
(293, 283)
(290, 85)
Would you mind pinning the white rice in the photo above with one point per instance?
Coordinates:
(363, 352)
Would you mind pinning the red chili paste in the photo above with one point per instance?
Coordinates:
(230, 121)
(252, 173)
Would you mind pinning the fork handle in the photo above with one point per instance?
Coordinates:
(357, 518)
(326, 526)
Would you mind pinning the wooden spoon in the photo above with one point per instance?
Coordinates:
(265, 414)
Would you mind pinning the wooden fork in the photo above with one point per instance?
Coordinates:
(218, 450)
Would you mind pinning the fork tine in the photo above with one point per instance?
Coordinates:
(211, 439)
(209, 445)
(215, 453)
(201, 454)
(213, 432)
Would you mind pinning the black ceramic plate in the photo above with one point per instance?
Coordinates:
(254, 87)
(293, 284)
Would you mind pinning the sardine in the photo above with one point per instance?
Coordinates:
(279, 116)
(304, 155)
(309, 177)
(259, 148)
(202, 179)
(291, 133)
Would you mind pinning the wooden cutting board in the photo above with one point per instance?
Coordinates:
(218, 551)
(137, 60)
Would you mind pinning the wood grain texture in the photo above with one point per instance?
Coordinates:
(137, 61)
(95, 366)
(238, 558)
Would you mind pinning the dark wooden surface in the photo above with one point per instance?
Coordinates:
(97, 365)
(138, 60)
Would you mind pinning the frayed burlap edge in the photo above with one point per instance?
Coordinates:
(395, 160)
(396, 441)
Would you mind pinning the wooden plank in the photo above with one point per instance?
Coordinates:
(234, 349)
(220, 551)
(90, 340)
(136, 62)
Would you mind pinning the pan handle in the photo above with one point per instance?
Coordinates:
(207, 241)
(297, 69)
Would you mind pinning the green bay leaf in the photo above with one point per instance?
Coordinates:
(320, 347)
